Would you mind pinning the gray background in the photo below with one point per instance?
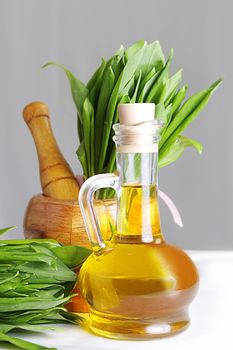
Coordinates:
(77, 33)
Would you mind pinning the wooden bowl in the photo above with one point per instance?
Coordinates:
(46, 217)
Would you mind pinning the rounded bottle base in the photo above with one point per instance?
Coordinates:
(137, 329)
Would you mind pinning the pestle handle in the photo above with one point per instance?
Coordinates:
(56, 176)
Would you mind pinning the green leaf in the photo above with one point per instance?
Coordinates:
(30, 303)
(96, 76)
(178, 99)
(34, 317)
(157, 88)
(47, 243)
(80, 128)
(22, 344)
(129, 87)
(188, 112)
(132, 65)
(88, 132)
(43, 273)
(120, 52)
(117, 62)
(133, 49)
(8, 278)
(95, 83)
(110, 167)
(35, 283)
(144, 59)
(163, 113)
(122, 87)
(141, 73)
(146, 84)
(94, 90)
(152, 58)
(6, 229)
(134, 97)
(104, 95)
(170, 86)
(176, 149)
(5, 328)
(72, 256)
(81, 153)
(108, 124)
(78, 89)
(26, 257)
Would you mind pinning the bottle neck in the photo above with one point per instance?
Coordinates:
(138, 218)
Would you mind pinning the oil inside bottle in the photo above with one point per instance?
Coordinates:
(140, 286)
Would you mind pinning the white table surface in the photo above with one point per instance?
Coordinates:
(211, 316)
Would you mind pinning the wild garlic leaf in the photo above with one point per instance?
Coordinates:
(81, 153)
(170, 85)
(111, 164)
(133, 49)
(152, 58)
(163, 113)
(72, 256)
(104, 95)
(6, 229)
(78, 89)
(146, 84)
(188, 112)
(176, 149)
(135, 93)
(155, 85)
(97, 75)
(178, 99)
(112, 103)
(131, 66)
(95, 83)
(22, 344)
(157, 88)
(11, 243)
(88, 132)
(35, 283)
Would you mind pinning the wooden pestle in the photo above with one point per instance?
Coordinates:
(56, 176)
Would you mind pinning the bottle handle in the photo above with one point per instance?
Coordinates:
(86, 196)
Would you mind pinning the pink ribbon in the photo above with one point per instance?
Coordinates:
(171, 206)
(167, 200)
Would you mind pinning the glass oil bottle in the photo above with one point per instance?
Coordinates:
(136, 285)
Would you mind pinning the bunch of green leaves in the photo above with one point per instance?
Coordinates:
(35, 282)
(137, 74)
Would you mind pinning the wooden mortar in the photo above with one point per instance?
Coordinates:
(62, 220)
(55, 213)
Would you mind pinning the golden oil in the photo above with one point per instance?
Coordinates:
(139, 286)
(138, 213)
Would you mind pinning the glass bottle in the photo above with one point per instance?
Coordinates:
(136, 285)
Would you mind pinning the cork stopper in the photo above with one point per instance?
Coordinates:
(135, 113)
(137, 128)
